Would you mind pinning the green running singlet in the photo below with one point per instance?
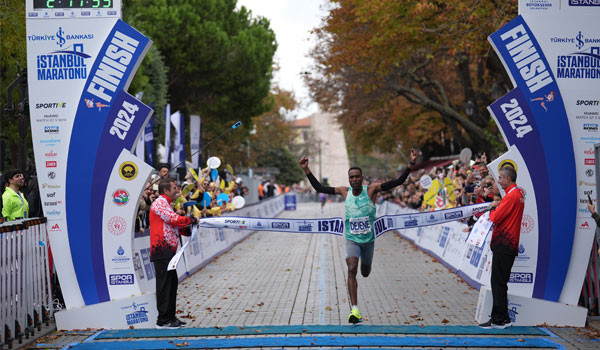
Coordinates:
(360, 214)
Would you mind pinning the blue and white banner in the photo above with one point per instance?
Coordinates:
(167, 155)
(179, 145)
(106, 117)
(333, 226)
(195, 140)
(534, 116)
(149, 141)
(387, 223)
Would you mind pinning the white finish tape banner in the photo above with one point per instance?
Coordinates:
(331, 225)
(480, 230)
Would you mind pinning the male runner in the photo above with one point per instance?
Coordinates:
(360, 214)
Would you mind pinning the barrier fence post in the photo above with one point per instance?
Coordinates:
(25, 291)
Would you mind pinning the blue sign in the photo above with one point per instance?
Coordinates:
(533, 118)
(98, 137)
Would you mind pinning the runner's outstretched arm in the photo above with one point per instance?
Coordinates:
(313, 180)
(399, 181)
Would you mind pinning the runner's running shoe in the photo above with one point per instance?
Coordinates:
(355, 316)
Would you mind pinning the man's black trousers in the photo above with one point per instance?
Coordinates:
(166, 291)
(501, 266)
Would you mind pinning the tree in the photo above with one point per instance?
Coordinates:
(404, 70)
(219, 58)
(13, 60)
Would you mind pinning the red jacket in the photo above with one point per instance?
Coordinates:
(164, 229)
(507, 219)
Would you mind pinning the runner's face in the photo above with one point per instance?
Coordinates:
(355, 178)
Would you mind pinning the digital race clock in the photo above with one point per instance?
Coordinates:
(72, 4)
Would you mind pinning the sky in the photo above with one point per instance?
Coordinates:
(292, 21)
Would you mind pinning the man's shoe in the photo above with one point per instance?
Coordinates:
(507, 322)
(486, 325)
(168, 325)
(500, 325)
(355, 316)
(181, 323)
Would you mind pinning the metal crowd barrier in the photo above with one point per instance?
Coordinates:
(25, 294)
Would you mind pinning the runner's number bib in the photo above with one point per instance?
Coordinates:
(360, 226)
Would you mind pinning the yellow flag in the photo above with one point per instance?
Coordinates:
(193, 172)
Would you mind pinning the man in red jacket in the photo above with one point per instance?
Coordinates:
(164, 237)
(506, 216)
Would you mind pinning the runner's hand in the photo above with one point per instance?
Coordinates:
(303, 162)
(414, 154)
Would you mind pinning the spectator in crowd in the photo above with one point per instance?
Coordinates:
(270, 188)
(14, 203)
(33, 198)
(163, 171)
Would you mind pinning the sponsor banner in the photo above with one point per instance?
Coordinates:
(480, 230)
(531, 73)
(117, 223)
(60, 55)
(99, 106)
(332, 225)
(398, 222)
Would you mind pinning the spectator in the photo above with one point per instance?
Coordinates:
(163, 171)
(165, 225)
(14, 204)
(506, 215)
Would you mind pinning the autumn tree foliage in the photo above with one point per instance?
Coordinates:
(402, 72)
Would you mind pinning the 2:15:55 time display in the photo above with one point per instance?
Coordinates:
(74, 4)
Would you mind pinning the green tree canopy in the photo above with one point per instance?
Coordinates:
(219, 57)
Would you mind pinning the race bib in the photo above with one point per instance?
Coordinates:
(360, 226)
